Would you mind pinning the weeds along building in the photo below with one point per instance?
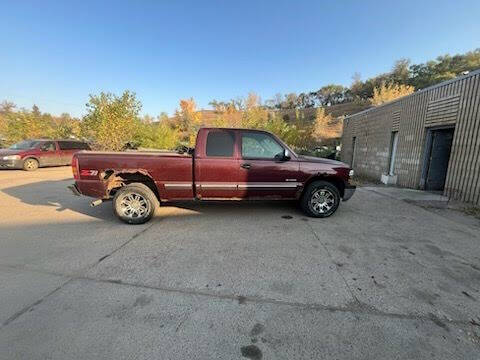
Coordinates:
(428, 140)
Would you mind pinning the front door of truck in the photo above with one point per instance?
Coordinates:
(216, 166)
(263, 172)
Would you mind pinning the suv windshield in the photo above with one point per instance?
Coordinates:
(24, 145)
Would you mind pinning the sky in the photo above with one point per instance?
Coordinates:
(55, 53)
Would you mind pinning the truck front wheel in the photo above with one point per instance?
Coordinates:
(135, 203)
(320, 199)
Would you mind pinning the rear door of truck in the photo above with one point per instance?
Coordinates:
(216, 164)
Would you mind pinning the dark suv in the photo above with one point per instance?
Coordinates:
(32, 154)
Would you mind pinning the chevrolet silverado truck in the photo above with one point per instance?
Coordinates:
(226, 164)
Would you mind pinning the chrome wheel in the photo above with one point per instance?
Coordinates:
(322, 201)
(134, 206)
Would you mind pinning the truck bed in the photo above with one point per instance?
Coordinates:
(172, 173)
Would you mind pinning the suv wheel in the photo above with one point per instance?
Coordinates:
(135, 203)
(30, 165)
(320, 199)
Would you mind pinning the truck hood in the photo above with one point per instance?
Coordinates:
(5, 152)
(313, 159)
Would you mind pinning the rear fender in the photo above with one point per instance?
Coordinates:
(115, 179)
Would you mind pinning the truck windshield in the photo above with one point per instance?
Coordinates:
(24, 145)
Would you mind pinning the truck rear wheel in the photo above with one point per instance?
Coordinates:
(135, 203)
(320, 199)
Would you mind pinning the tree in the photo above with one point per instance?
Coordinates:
(66, 127)
(325, 126)
(401, 71)
(290, 102)
(26, 124)
(189, 120)
(7, 107)
(157, 135)
(331, 94)
(252, 101)
(305, 101)
(357, 88)
(36, 111)
(388, 92)
(163, 116)
(112, 120)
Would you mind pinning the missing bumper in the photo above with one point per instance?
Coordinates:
(74, 189)
(349, 191)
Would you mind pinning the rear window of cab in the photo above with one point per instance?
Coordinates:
(220, 143)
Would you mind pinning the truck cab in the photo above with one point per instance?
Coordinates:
(232, 163)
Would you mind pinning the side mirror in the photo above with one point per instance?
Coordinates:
(283, 156)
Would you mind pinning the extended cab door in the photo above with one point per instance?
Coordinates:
(216, 165)
(263, 172)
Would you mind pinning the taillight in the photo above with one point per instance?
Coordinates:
(75, 168)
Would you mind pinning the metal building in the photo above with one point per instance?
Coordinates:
(428, 140)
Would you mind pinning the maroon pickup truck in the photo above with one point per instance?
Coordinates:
(226, 164)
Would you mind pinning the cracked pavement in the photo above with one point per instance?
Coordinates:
(382, 278)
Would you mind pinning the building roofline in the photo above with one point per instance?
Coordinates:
(458, 78)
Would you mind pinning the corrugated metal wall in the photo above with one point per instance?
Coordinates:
(452, 103)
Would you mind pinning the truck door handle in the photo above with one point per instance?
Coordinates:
(246, 166)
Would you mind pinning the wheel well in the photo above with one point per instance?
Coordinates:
(117, 180)
(338, 183)
(30, 157)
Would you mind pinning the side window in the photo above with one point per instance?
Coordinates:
(48, 146)
(259, 145)
(220, 143)
(74, 145)
(63, 145)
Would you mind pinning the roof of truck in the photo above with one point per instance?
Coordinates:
(234, 129)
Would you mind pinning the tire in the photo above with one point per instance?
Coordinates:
(144, 202)
(30, 164)
(320, 199)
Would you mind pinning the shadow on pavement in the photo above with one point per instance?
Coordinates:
(56, 194)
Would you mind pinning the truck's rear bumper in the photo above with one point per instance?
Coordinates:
(349, 191)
